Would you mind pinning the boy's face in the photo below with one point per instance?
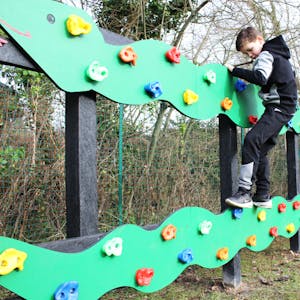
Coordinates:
(253, 49)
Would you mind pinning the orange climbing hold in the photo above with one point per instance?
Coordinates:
(128, 55)
(226, 104)
(251, 240)
(223, 253)
(169, 232)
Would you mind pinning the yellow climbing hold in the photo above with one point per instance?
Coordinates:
(290, 228)
(11, 259)
(77, 26)
(190, 97)
(262, 215)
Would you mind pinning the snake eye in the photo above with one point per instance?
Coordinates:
(51, 18)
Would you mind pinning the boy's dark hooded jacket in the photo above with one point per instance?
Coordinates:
(273, 72)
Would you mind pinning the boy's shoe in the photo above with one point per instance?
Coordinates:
(263, 201)
(241, 199)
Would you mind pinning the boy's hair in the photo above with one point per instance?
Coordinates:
(248, 34)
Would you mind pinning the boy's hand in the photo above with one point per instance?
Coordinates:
(229, 67)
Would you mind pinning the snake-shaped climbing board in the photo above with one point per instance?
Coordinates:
(67, 45)
(150, 260)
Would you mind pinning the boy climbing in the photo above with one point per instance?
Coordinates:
(273, 72)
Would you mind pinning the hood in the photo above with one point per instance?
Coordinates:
(278, 46)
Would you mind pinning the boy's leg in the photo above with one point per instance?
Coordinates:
(267, 128)
(262, 195)
(262, 179)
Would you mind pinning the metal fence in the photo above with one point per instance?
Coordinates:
(184, 171)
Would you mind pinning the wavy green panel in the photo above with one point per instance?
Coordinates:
(65, 58)
(45, 270)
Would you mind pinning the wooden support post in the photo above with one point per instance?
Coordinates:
(11, 55)
(292, 154)
(229, 180)
(81, 171)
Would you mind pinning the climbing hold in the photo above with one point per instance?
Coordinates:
(296, 205)
(251, 240)
(210, 77)
(11, 259)
(67, 291)
(226, 103)
(169, 232)
(237, 213)
(262, 215)
(77, 26)
(153, 89)
(281, 207)
(3, 42)
(173, 55)
(144, 276)
(128, 55)
(252, 119)
(186, 256)
(96, 72)
(290, 228)
(205, 227)
(190, 97)
(240, 85)
(273, 231)
(223, 253)
(113, 247)
(290, 124)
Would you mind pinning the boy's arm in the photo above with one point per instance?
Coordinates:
(261, 72)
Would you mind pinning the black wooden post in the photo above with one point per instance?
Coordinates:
(229, 179)
(292, 154)
(81, 171)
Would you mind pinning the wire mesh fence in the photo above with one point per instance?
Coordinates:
(184, 170)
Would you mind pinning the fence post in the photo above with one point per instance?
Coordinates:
(229, 178)
(292, 155)
(81, 164)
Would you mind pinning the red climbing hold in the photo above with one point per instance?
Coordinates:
(173, 55)
(273, 231)
(296, 205)
(281, 207)
(252, 119)
(143, 276)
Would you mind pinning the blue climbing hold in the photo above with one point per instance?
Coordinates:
(153, 89)
(67, 291)
(240, 85)
(237, 213)
(186, 256)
